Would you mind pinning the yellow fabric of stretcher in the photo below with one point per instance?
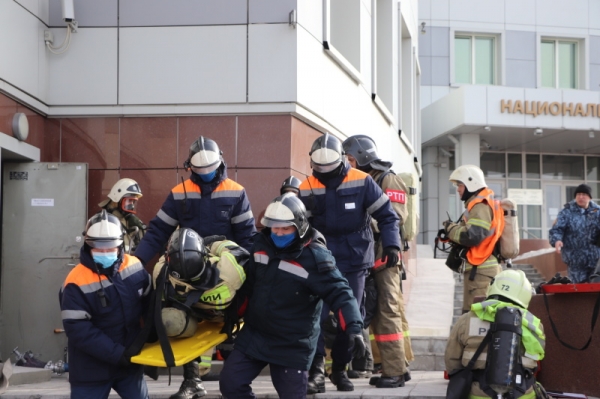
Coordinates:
(184, 349)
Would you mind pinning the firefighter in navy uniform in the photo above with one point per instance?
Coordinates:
(210, 204)
(102, 302)
(289, 276)
(509, 289)
(478, 231)
(122, 202)
(203, 276)
(389, 324)
(341, 202)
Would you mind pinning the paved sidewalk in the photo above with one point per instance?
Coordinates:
(423, 385)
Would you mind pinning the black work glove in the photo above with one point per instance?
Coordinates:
(124, 361)
(356, 345)
(209, 240)
(390, 256)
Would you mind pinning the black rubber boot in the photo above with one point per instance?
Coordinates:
(374, 379)
(316, 376)
(390, 382)
(191, 387)
(339, 378)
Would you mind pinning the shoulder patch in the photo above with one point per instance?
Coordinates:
(398, 196)
(478, 327)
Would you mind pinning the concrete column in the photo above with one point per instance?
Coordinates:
(467, 149)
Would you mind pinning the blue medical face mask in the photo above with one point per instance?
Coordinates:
(105, 259)
(284, 240)
(208, 176)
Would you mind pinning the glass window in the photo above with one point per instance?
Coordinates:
(515, 168)
(462, 59)
(474, 59)
(562, 167)
(515, 184)
(532, 166)
(592, 168)
(559, 64)
(533, 184)
(493, 165)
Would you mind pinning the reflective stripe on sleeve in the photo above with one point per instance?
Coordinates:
(378, 204)
(75, 315)
(242, 217)
(162, 215)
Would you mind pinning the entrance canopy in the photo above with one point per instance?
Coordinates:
(516, 119)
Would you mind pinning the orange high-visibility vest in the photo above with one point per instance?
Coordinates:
(478, 254)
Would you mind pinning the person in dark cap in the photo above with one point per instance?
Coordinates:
(575, 233)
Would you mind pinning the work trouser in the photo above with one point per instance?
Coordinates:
(239, 371)
(388, 322)
(479, 285)
(339, 350)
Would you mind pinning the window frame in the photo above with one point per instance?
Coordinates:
(557, 42)
(581, 59)
(333, 52)
(499, 62)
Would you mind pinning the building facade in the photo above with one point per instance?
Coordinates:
(129, 88)
(512, 86)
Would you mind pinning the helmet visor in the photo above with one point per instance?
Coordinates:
(204, 162)
(104, 243)
(325, 160)
(275, 223)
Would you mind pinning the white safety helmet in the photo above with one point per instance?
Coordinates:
(204, 156)
(326, 153)
(125, 188)
(469, 175)
(103, 231)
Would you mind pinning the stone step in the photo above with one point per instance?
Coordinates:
(429, 353)
(29, 375)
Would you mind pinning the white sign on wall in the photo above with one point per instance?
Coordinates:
(526, 196)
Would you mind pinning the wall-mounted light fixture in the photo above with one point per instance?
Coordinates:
(591, 134)
(538, 132)
(487, 128)
(423, 31)
(20, 126)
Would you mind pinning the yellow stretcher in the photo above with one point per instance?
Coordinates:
(184, 349)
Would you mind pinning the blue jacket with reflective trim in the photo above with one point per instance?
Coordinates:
(341, 208)
(99, 335)
(286, 289)
(216, 208)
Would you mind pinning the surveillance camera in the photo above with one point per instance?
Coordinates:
(68, 11)
(485, 144)
(538, 132)
(487, 128)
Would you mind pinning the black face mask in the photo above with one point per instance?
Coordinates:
(329, 175)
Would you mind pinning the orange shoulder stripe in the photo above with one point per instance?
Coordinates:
(229, 185)
(190, 187)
